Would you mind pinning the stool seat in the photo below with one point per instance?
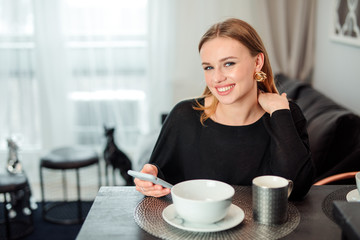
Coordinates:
(69, 158)
(12, 182)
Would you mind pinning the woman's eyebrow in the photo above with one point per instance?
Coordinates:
(227, 58)
(221, 60)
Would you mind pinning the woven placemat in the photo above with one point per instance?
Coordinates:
(148, 215)
(340, 194)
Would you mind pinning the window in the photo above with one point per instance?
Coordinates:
(104, 45)
(107, 50)
(18, 85)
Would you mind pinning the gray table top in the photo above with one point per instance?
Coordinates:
(112, 215)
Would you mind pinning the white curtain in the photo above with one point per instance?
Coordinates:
(19, 100)
(162, 43)
(289, 26)
(52, 75)
(67, 67)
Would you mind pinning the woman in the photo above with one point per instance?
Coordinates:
(240, 128)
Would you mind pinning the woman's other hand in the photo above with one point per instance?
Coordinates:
(148, 188)
(272, 102)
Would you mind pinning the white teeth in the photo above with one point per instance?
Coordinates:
(224, 89)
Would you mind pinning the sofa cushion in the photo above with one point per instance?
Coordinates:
(349, 164)
(332, 137)
(333, 130)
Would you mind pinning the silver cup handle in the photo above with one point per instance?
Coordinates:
(291, 186)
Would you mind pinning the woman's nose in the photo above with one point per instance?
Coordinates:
(219, 76)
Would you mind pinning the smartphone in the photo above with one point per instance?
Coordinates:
(150, 178)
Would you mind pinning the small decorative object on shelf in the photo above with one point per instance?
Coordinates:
(13, 163)
(22, 200)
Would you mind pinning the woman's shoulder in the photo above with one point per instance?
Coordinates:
(188, 104)
(185, 109)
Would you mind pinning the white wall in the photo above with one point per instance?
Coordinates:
(337, 65)
(192, 20)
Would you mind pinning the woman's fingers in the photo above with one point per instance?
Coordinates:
(271, 102)
(150, 169)
(142, 183)
(148, 188)
(154, 191)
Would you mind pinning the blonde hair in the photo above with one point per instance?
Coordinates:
(244, 33)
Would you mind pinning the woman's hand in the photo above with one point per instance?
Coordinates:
(271, 102)
(148, 188)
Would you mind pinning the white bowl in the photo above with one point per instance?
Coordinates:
(202, 201)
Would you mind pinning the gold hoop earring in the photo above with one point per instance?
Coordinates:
(260, 76)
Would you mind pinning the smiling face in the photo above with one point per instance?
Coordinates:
(229, 70)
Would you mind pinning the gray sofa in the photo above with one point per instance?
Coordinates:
(334, 131)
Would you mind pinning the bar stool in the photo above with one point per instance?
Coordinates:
(66, 158)
(21, 225)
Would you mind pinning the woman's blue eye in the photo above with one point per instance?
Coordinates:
(228, 64)
(208, 68)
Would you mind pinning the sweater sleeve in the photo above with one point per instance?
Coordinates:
(164, 155)
(290, 149)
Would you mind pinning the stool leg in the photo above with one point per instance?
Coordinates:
(99, 174)
(42, 191)
(107, 174)
(114, 179)
(64, 186)
(78, 193)
(7, 220)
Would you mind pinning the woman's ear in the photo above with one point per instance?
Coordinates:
(259, 62)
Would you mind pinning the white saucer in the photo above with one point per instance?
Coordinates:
(234, 217)
(353, 196)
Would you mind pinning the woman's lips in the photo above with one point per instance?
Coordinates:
(224, 90)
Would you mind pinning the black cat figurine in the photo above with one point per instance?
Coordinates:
(116, 158)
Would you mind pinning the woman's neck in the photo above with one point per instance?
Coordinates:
(238, 114)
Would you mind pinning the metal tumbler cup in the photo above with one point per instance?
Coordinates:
(270, 199)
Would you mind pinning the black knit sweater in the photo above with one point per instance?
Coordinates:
(276, 145)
